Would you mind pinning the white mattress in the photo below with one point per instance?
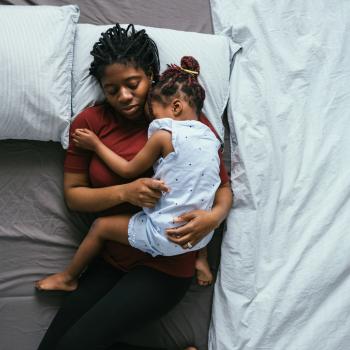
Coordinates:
(284, 279)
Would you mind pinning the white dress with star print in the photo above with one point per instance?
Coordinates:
(192, 174)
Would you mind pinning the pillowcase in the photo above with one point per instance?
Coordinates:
(36, 55)
(214, 54)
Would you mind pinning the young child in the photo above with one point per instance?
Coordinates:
(184, 153)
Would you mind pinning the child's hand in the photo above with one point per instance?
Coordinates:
(85, 138)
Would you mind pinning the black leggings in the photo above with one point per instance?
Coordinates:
(110, 303)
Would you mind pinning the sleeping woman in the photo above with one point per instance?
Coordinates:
(124, 289)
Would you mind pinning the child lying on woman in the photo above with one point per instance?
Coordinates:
(184, 154)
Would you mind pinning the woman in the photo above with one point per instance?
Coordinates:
(128, 288)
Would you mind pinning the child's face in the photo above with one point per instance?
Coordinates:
(162, 111)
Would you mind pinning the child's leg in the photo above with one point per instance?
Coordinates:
(204, 275)
(112, 228)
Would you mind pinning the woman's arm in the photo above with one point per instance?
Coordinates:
(158, 144)
(80, 196)
(200, 222)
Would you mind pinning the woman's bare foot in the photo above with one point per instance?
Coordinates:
(191, 348)
(58, 281)
(204, 275)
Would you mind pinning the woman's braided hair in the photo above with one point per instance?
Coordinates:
(180, 81)
(125, 46)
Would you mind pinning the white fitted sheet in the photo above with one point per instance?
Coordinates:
(284, 276)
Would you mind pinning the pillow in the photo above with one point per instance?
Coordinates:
(214, 54)
(36, 54)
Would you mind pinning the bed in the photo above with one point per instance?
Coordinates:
(283, 278)
(38, 234)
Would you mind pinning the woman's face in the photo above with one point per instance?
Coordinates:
(126, 89)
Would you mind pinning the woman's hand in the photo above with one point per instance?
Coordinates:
(144, 192)
(198, 223)
(86, 139)
(81, 197)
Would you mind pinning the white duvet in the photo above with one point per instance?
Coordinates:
(284, 280)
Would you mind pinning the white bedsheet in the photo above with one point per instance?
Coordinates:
(284, 280)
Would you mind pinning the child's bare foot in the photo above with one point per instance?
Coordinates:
(58, 281)
(204, 275)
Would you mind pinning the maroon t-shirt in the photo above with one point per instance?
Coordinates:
(127, 143)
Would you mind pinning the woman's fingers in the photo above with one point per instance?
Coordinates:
(179, 234)
(149, 204)
(145, 192)
(156, 194)
(158, 185)
(184, 240)
(186, 217)
(179, 231)
(198, 223)
(154, 188)
(182, 235)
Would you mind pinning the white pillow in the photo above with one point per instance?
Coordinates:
(214, 54)
(36, 54)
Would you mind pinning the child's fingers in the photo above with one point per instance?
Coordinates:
(81, 131)
(76, 140)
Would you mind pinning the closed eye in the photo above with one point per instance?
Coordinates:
(111, 92)
(134, 85)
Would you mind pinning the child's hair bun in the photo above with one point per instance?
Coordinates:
(190, 63)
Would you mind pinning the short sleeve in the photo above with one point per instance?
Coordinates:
(160, 124)
(77, 160)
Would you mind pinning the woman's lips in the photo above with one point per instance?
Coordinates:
(131, 112)
(130, 108)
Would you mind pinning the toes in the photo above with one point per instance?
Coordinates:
(37, 285)
(204, 283)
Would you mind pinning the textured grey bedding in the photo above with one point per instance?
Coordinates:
(194, 15)
(38, 234)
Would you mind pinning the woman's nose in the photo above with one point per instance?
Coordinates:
(125, 95)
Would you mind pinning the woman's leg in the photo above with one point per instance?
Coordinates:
(113, 228)
(140, 296)
(95, 282)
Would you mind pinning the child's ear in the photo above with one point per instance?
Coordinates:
(177, 107)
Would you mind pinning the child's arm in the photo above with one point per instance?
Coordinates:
(158, 144)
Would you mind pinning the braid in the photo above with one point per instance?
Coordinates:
(181, 80)
(119, 45)
(149, 105)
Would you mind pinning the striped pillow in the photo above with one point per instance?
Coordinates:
(36, 53)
